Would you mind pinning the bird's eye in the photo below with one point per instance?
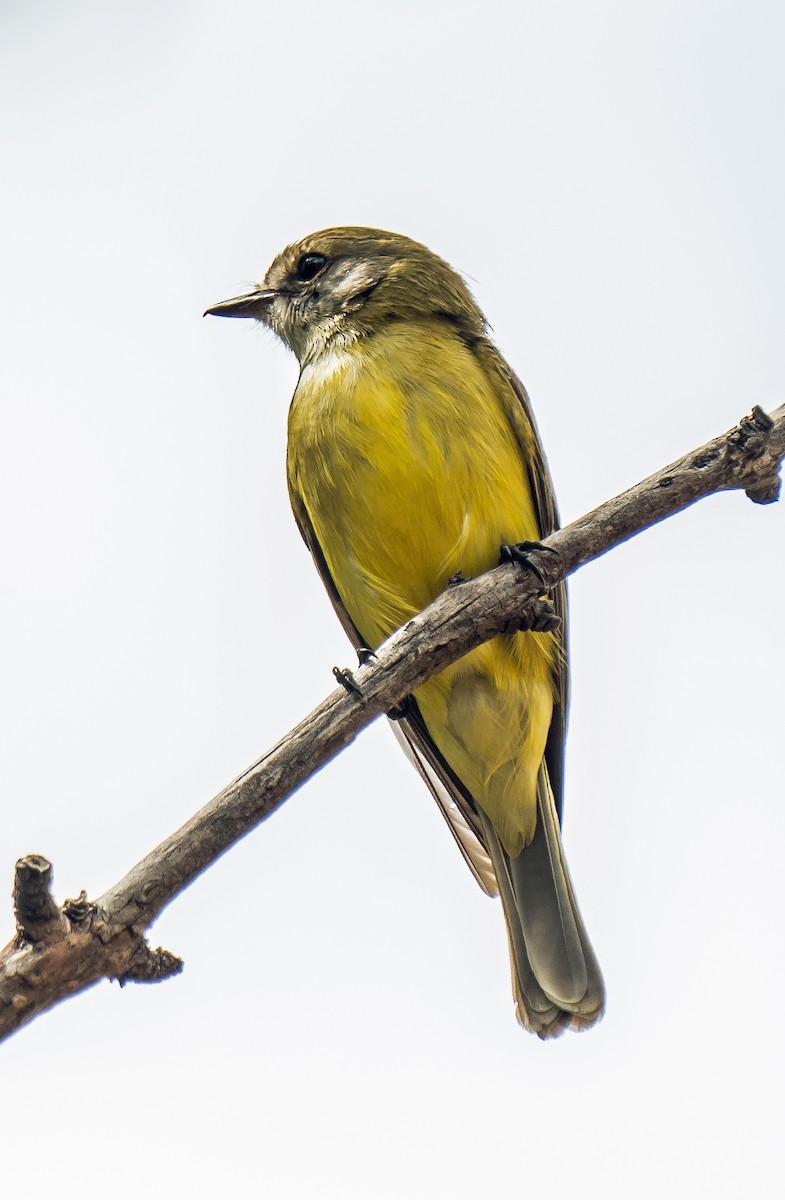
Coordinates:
(309, 266)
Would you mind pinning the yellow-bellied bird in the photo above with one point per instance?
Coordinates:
(412, 457)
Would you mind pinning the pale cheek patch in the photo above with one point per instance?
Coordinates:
(359, 277)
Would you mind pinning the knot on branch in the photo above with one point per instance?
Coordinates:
(150, 966)
(79, 910)
(539, 616)
(753, 460)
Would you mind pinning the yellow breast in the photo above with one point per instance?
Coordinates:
(407, 465)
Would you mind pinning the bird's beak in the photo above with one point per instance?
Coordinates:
(252, 304)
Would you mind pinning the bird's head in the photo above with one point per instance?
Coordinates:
(344, 283)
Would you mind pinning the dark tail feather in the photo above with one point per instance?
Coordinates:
(556, 979)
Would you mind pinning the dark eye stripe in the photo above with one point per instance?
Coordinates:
(309, 266)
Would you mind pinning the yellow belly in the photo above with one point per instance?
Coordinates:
(409, 471)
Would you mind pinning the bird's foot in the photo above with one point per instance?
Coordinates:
(347, 680)
(521, 553)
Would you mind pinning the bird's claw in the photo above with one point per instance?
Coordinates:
(347, 680)
(521, 552)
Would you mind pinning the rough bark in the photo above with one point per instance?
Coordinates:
(59, 951)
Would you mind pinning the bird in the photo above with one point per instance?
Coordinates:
(412, 457)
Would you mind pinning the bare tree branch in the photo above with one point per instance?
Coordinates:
(58, 952)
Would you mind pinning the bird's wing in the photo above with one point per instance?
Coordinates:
(456, 806)
(454, 803)
(519, 411)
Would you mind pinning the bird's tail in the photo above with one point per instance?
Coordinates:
(557, 982)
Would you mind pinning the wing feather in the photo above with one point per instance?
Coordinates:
(521, 416)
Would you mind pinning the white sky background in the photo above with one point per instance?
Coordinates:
(611, 179)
